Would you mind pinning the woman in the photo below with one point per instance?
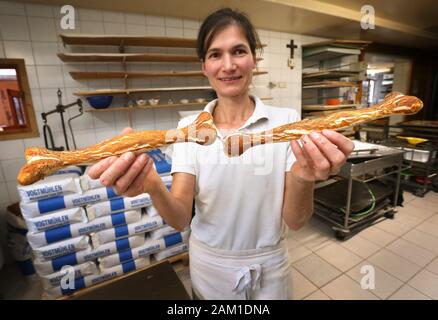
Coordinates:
(237, 245)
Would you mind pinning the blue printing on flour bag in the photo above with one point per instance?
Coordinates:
(118, 218)
(173, 239)
(71, 258)
(111, 193)
(59, 262)
(58, 234)
(64, 232)
(121, 231)
(51, 204)
(169, 240)
(162, 165)
(125, 255)
(117, 204)
(128, 266)
(58, 203)
(122, 244)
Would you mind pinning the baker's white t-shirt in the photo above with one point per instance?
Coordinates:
(238, 200)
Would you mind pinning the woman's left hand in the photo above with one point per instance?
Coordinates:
(321, 155)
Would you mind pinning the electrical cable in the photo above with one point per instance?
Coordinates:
(368, 211)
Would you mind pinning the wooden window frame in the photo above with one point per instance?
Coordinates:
(31, 129)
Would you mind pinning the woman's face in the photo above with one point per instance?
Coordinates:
(229, 63)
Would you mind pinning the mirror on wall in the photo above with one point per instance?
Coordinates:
(17, 116)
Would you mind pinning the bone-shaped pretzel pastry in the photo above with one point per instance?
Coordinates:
(394, 103)
(41, 162)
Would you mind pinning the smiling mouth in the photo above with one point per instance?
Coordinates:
(227, 79)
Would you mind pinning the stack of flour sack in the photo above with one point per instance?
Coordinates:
(81, 230)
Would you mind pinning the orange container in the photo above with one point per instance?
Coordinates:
(333, 102)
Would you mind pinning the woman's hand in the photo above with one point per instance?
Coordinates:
(130, 175)
(320, 156)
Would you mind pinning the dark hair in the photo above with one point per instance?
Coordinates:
(220, 19)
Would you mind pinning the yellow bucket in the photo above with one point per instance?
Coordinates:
(413, 140)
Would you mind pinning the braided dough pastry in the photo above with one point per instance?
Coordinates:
(394, 103)
(41, 162)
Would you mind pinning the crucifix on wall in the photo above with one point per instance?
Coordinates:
(290, 61)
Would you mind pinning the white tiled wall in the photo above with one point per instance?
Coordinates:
(30, 31)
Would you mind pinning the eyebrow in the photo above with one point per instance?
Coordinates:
(237, 46)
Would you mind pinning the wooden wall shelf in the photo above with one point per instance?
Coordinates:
(321, 107)
(141, 90)
(126, 57)
(124, 40)
(77, 75)
(119, 40)
(335, 74)
(328, 84)
(339, 43)
(159, 106)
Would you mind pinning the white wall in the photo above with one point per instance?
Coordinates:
(30, 31)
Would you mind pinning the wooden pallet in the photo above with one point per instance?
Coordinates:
(182, 257)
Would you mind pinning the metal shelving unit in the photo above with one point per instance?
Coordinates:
(326, 75)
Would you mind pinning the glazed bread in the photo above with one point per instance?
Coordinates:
(41, 162)
(394, 103)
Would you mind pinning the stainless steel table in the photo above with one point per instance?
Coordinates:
(367, 163)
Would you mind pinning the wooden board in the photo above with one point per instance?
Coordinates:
(78, 75)
(124, 40)
(159, 106)
(339, 42)
(128, 57)
(110, 109)
(326, 53)
(143, 90)
(328, 84)
(101, 92)
(321, 107)
(335, 74)
(118, 40)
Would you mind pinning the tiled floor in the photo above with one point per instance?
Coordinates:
(401, 254)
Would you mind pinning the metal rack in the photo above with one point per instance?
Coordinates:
(420, 161)
(368, 163)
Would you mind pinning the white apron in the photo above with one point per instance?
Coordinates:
(259, 274)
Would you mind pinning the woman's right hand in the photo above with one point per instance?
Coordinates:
(129, 175)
